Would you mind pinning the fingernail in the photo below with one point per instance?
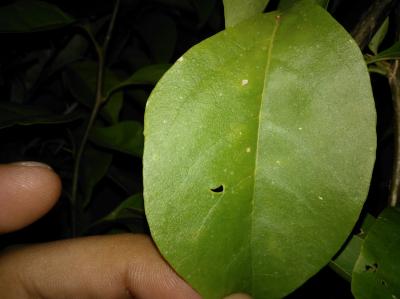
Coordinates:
(31, 164)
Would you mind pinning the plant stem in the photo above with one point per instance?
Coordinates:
(394, 83)
(111, 27)
(371, 20)
(99, 99)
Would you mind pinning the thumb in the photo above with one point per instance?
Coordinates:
(28, 190)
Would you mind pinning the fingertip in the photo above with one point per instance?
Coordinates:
(28, 190)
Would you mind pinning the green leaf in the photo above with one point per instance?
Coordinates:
(95, 165)
(185, 5)
(129, 213)
(130, 207)
(70, 53)
(158, 30)
(378, 37)
(377, 271)
(29, 15)
(389, 54)
(139, 96)
(344, 263)
(378, 69)
(204, 10)
(14, 114)
(323, 3)
(148, 75)
(237, 11)
(81, 80)
(125, 137)
(259, 152)
(110, 111)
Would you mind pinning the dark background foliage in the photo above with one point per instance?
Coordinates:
(47, 90)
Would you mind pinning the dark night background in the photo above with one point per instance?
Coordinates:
(38, 80)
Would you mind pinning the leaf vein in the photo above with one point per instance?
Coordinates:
(267, 68)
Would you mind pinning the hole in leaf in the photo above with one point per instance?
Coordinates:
(384, 283)
(218, 189)
(371, 268)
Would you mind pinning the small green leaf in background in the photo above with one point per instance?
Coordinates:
(204, 9)
(377, 271)
(237, 11)
(81, 80)
(112, 108)
(323, 3)
(379, 37)
(125, 137)
(138, 96)
(344, 263)
(148, 75)
(15, 114)
(129, 213)
(378, 69)
(70, 53)
(259, 153)
(391, 53)
(185, 5)
(132, 206)
(159, 32)
(95, 164)
(30, 15)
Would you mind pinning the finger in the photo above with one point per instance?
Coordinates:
(119, 266)
(27, 191)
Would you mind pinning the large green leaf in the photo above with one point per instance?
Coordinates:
(377, 271)
(237, 11)
(259, 147)
(30, 15)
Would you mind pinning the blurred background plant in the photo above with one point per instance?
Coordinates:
(74, 80)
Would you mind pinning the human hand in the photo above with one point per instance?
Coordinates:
(117, 266)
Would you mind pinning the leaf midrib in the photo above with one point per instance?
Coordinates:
(266, 77)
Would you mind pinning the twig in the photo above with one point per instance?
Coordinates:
(371, 20)
(99, 99)
(111, 27)
(394, 83)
